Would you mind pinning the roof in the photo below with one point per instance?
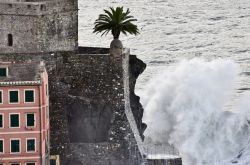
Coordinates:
(22, 73)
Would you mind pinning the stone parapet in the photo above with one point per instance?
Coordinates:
(37, 8)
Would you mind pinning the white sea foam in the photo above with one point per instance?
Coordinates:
(184, 107)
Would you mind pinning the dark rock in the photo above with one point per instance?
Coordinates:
(136, 67)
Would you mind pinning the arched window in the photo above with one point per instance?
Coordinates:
(10, 40)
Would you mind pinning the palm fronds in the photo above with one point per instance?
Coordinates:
(116, 21)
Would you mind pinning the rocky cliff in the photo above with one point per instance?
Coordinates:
(136, 67)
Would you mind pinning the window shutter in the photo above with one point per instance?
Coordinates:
(13, 96)
(1, 145)
(15, 146)
(30, 120)
(31, 145)
(1, 97)
(1, 121)
(14, 120)
(30, 163)
(3, 72)
(29, 96)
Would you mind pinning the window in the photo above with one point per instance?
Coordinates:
(15, 145)
(3, 72)
(13, 97)
(14, 120)
(31, 146)
(43, 7)
(1, 146)
(1, 97)
(10, 40)
(29, 96)
(52, 162)
(1, 120)
(15, 164)
(30, 163)
(30, 120)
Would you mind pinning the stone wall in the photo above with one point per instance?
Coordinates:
(87, 109)
(39, 26)
(177, 161)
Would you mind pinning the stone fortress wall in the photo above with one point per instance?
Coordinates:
(40, 26)
(88, 111)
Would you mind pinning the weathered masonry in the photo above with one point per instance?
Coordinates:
(31, 26)
(90, 121)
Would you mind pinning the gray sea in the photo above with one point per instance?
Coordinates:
(171, 30)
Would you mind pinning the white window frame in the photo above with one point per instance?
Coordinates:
(20, 146)
(26, 120)
(1, 96)
(30, 162)
(25, 95)
(19, 120)
(27, 146)
(3, 147)
(2, 121)
(17, 95)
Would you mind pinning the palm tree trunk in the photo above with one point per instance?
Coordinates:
(116, 33)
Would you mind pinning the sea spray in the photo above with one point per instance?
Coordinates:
(184, 107)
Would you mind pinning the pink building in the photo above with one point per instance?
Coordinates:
(24, 114)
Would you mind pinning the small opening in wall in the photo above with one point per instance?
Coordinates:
(29, 6)
(10, 40)
(42, 7)
(10, 5)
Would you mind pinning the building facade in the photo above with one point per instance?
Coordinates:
(24, 114)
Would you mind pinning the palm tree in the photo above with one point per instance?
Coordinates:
(116, 21)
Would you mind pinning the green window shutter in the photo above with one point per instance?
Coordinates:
(1, 121)
(29, 96)
(1, 97)
(52, 162)
(31, 145)
(3, 72)
(1, 145)
(30, 120)
(30, 163)
(15, 146)
(14, 120)
(13, 97)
